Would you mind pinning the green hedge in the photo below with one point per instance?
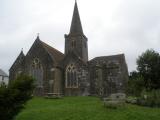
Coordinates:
(14, 96)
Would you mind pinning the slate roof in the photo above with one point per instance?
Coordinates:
(113, 58)
(54, 53)
(2, 73)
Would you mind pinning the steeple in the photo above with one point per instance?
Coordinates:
(76, 27)
(76, 42)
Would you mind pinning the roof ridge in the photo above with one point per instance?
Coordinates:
(110, 55)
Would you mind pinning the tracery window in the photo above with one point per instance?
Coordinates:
(71, 77)
(36, 63)
(37, 72)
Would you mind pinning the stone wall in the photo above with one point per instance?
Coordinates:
(108, 75)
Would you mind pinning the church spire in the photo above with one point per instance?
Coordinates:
(76, 27)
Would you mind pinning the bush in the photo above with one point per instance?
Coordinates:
(132, 100)
(13, 97)
(151, 99)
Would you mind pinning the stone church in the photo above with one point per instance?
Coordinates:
(71, 73)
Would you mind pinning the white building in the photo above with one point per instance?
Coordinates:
(3, 77)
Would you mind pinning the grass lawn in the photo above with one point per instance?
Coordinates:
(83, 108)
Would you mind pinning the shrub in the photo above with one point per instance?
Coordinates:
(132, 100)
(13, 97)
(151, 99)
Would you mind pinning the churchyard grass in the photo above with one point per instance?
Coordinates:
(83, 108)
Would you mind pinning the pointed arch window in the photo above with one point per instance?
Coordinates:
(71, 77)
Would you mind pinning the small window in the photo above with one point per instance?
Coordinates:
(73, 43)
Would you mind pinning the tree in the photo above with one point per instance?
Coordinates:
(14, 97)
(148, 66)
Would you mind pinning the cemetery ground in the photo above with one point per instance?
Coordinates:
(83, 108)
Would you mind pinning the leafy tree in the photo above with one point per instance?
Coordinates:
(13, 97)
(149, 67)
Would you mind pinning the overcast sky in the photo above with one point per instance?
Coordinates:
(112, 26)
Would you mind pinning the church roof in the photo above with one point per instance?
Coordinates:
(54, 53)
(2, 73)
(76, 27)
(119, 57)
